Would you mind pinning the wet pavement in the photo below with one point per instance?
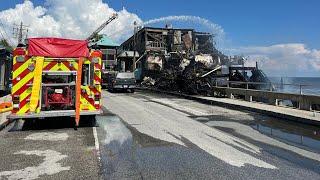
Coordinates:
(48, 149)
(152, 136)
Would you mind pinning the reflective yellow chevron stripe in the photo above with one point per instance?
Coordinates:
(35, 93)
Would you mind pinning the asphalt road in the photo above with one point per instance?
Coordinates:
(152, 136)
(48, 149)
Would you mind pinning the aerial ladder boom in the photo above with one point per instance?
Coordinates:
(113, 17)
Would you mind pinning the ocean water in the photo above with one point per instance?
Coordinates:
(310, 85)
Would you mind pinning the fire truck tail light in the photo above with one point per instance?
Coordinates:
(15, 106)
(15, 102)
(20, 59)
(95, 60)
(97, 97)
(15, 99)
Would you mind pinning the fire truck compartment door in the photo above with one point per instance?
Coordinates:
(35, 93)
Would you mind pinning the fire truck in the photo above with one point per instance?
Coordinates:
(55, 77)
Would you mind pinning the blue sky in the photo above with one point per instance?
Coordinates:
(281, 34)
(246, 22)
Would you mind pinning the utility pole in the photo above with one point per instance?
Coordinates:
(134, 46)
(19, 31)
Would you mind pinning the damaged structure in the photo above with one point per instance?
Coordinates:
(5, 70)
(182, 60)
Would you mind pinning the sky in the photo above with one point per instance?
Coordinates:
(283, 36)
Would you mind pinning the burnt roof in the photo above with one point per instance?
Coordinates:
(166, 29)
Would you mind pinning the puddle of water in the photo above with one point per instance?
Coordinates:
(125, 151)
(294, 132)
(302, 135)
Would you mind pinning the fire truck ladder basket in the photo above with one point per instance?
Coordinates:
(36, 86)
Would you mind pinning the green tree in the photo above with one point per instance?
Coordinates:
(5, 44)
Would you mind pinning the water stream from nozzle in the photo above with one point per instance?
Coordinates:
(215, 29)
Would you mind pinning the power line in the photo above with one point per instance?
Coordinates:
(19, 32)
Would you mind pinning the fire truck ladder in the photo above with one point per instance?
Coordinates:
(36, 86)
(78, 92)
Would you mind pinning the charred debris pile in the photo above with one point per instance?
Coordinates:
(183, 60)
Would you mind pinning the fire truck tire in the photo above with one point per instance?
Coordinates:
(47, 108)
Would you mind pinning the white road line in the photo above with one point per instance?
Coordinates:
(96, 143)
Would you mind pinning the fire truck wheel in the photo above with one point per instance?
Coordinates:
(47, 108)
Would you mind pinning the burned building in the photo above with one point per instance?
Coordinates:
(5, 69)
(179, 59)
(157, 47)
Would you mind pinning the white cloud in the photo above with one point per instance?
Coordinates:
(294, 59)
(79, 18)
(69, 19)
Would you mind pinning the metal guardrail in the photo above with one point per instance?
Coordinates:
(270, 85)
(305, 102)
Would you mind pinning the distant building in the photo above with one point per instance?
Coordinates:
(109, 52)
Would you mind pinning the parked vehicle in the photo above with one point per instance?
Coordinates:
(106, 78)
(122, 81)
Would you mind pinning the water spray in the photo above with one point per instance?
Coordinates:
(215, 29)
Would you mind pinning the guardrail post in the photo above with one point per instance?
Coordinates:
(304, 104)
(248, 98)
(229, 94)
(273, 101)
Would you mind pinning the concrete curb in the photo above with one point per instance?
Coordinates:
(238, 107)
(5, 123)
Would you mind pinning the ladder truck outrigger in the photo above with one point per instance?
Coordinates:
(56, 77)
